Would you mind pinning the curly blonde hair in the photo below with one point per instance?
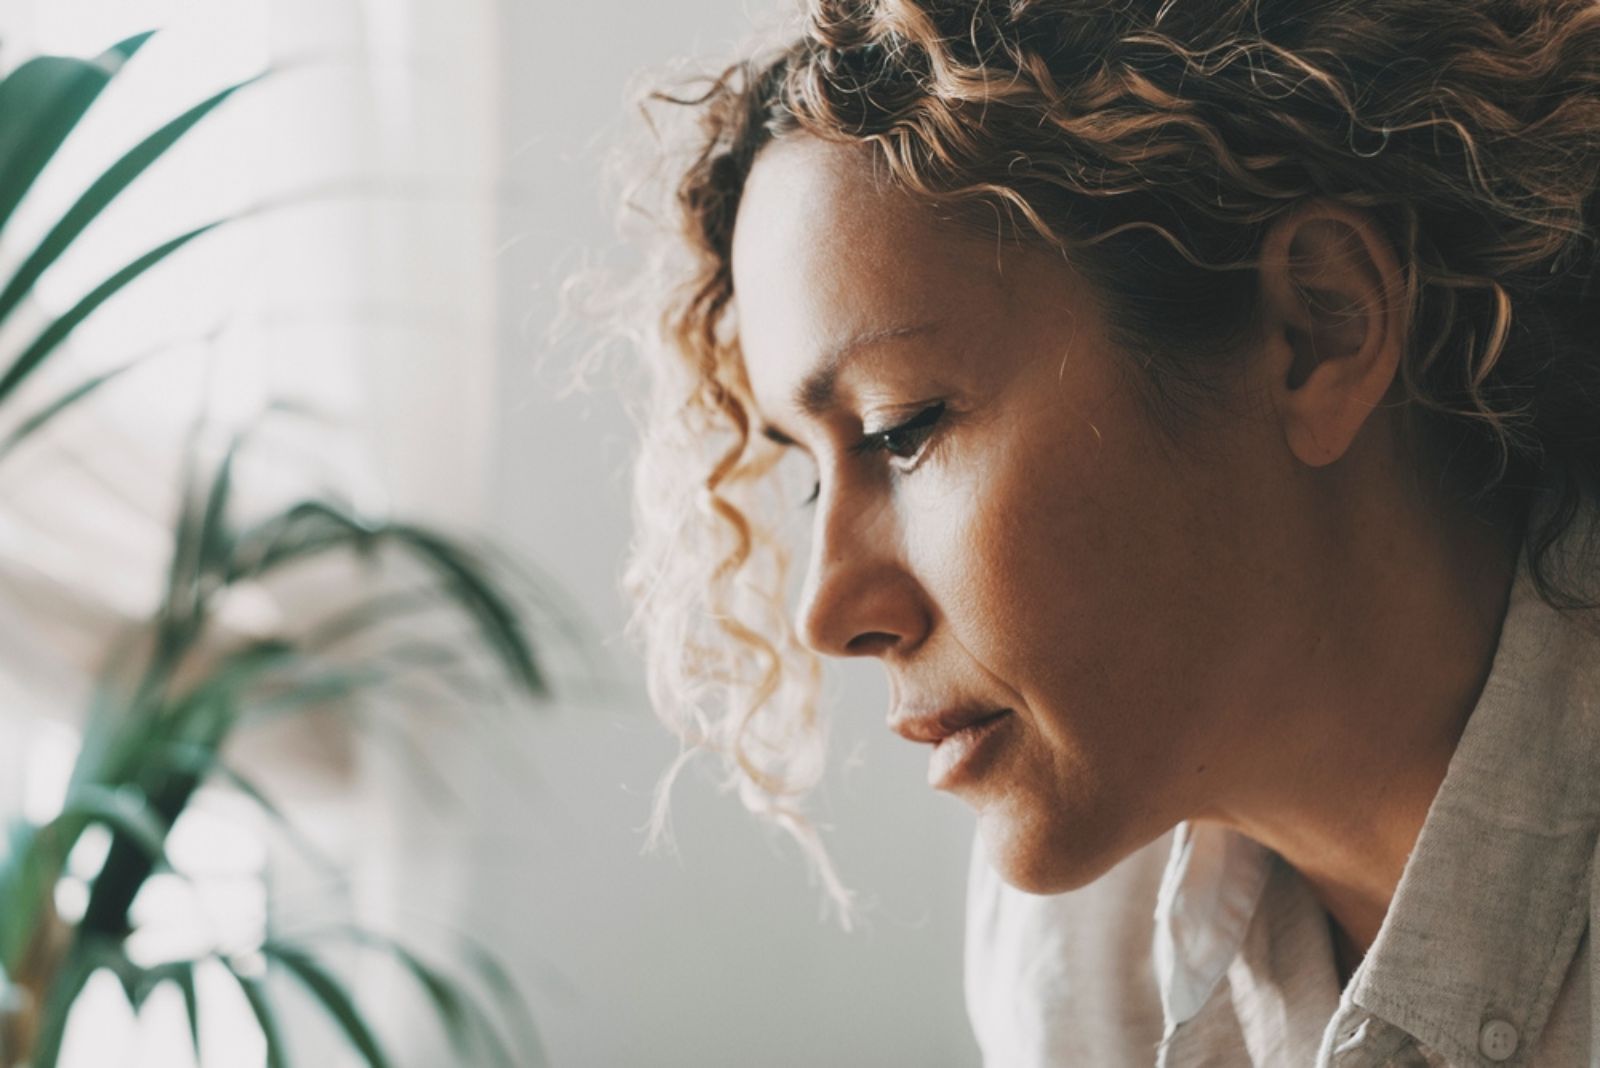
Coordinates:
(1151, 142)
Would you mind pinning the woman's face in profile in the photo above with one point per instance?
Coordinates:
(997, 520)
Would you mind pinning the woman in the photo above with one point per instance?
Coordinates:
(1201, 398)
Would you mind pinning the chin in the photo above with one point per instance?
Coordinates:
(1049, 855)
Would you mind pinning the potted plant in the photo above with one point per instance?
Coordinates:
(174, 697)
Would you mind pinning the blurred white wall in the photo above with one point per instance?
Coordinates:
(716, 956)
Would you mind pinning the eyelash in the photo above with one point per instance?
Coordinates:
(920, 427)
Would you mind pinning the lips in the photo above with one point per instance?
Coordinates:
(934, 727)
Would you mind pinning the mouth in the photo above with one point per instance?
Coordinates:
(960, 737)
(935, 727)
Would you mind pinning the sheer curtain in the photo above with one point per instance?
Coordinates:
(359, 283)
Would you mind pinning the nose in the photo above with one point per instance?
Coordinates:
(860, 598)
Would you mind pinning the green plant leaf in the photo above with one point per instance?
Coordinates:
(180, 973)
(100, 194)
(139, 829)
(53, 334)
(513, 1006)
(368, 614)
(467, 1024)
(88, 387)
(86, 956)
(331, 994)
(69, 983)
(313, 527)
(441, 662)
(40, 104)
(206, 714)
(291, 536)
(434, 787)
(180, 617)
(29, 868)
(498, 622)
(201, 542)
(123, 811)
(255, 992)
(558, 619)
(449, 1002)
(216, 544)
(151, 797)
(184, 977)
(336, 686)
(35, 422)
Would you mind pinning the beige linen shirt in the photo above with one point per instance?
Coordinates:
(1207, 949)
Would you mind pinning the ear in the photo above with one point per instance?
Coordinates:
(1333, 325)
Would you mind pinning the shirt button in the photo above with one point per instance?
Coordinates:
(1497, 1040)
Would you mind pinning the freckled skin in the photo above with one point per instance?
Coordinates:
(1182, 633)
(1046, 554)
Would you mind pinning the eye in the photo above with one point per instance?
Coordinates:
(904, 441)
(811, 498)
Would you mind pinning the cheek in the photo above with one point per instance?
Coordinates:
(1075, 574)
(1071, 576)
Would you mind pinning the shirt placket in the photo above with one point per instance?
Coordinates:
(1209, 1039)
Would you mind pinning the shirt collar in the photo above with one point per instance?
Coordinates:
(1494, 897)
(1209, 893)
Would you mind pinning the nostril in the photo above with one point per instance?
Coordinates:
(871, 643)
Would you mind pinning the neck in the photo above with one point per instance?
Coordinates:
(1355, 749)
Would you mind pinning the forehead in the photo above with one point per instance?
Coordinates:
(825, 250)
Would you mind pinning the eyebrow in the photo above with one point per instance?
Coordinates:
(818, 391)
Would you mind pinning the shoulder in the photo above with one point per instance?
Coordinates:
(1065, 978)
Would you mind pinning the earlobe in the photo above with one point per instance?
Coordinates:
(1332, 325)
